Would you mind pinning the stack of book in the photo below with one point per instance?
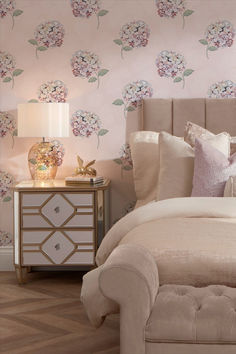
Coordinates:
(78, 180)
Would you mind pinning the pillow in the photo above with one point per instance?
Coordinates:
(193, 131)
(212, 169)
(176, 167)
(177, 164)
(230, 187)
(145, 156)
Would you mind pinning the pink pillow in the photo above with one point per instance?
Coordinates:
(212, 169)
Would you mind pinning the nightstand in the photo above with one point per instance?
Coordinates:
(57, 225)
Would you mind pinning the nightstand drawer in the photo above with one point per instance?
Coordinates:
(39, 221)
(39, 199)
(40, 259)
(82, 258)
(57, 210)
(37, 237)
(57, 248)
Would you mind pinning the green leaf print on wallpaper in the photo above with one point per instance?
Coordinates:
(8, 69)
(8, 7)
(133, 93)
(172, 65)
(84, 124)
(125, 160)
(6, 182)
(219, 34)
(7, 126)
(171, 8)
(87, 65)
(87, 8)
(134, 34)
(48, 34)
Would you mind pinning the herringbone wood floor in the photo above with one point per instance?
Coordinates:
(45, 316)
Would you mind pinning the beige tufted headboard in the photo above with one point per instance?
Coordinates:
(157, 114)
(216, 115)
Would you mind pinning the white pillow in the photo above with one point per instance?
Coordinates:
(145, 157)
(177, 164)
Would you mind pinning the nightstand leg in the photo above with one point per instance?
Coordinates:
(21, 274)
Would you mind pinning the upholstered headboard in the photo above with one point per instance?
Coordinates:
(216, 115)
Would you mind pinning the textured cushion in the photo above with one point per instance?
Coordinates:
(193, 131)
(145, 156)
(211, 170)
(176, 167)
(195, 315)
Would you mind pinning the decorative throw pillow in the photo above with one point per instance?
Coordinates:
(177, 164)
(176, 167)
(193, 131)
(145, 156)
(212, 169)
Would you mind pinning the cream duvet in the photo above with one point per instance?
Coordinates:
(193, 241)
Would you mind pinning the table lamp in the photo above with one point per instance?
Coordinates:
(44, 120)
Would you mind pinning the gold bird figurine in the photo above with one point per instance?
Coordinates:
(86, 170)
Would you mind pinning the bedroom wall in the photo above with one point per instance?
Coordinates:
(182, 49)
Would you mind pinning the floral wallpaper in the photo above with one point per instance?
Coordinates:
(103, 57)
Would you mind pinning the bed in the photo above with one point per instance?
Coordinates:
(165, 265)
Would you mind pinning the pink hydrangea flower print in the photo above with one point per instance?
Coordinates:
(222, 89)
(84, 124)
(134, 34)
(86, 8)
(6, 182)
(52, 91)
(171, 64)
(171, 8)
(87, 65)
(125, 160)
(8, 70)
(133, 93)
(9, 7)
(48, 34)
(218, 35)
(5, 239)
(7, 125)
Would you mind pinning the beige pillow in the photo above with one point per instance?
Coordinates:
(230, 187)
(176, 167)
(145, 156)
(177, 164)
(193, 131)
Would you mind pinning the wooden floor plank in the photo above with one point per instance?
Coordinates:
(45, 316)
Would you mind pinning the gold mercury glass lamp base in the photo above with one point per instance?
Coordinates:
(42, 161)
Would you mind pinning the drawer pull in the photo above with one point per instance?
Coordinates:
(57, 247)
(57, 210)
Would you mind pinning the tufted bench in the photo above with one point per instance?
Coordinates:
(167, 319)
(193, 315)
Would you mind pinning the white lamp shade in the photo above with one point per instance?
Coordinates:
(49, 120)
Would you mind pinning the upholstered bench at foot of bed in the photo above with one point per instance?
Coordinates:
(170, 319)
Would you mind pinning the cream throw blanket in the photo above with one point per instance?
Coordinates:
(193, 241)
(169, 208)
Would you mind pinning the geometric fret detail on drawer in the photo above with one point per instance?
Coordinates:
(57, 210)
(58, 247)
